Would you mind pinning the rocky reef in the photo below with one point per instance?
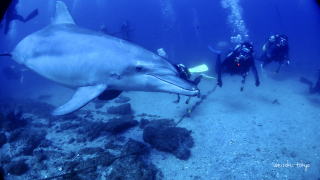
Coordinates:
(85, 145)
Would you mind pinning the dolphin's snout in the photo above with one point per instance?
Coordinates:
(193, 92)
(175, 84)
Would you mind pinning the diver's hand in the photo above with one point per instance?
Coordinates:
(257, 83)
(219, 83)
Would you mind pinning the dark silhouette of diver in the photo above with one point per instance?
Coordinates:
(104, 29)
(126, 31)
(239, 61)
(318, 2)
(4, 5)
(13, 73)
(123, 33)
(9, 13)
(313, 89)
(185, 74)
(276, 49)
(2, 173)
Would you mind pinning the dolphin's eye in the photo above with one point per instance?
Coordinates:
(139, 68)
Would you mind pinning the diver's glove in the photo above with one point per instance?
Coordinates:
(257, 83)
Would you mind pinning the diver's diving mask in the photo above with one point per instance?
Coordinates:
(282, 42)
(244, 53)
(272, 38)
(245, 50)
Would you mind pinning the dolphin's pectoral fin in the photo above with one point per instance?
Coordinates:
(109, 94)
(62, 15)
(81, 97)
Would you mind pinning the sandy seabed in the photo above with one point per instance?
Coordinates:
(266, 132)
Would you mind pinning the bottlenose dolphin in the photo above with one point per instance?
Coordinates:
(94, 63)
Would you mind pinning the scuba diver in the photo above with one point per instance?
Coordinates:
(276, 49)
(124, 33)
(313, 89)
(9, 13)
(2, 173)
(13, 73)
(318, 2)
(239, 61)
(104, 29)
(4, 5)
(187, 73)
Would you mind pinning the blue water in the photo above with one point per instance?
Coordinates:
(185, 29)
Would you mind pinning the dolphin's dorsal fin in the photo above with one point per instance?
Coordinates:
(81, 97)
(62, 15)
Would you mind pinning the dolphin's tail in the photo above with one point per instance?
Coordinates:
(5, 54)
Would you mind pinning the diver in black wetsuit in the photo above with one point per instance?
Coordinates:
(2, 173)
(313, 89)
(4, 5)
(8, 10)
(276, 49)
(239, 61)
(318, 2)
(185, 74)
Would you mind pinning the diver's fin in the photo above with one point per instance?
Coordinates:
(306, 81)
(199, 69)
(215, 51)
(33, 14)
(207, 76)
(109, 94)
(81, 97)
(62, 15)
(21, 79)
(6, 54)
(22, 75)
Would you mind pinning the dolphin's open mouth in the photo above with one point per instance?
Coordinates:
(191, 89)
